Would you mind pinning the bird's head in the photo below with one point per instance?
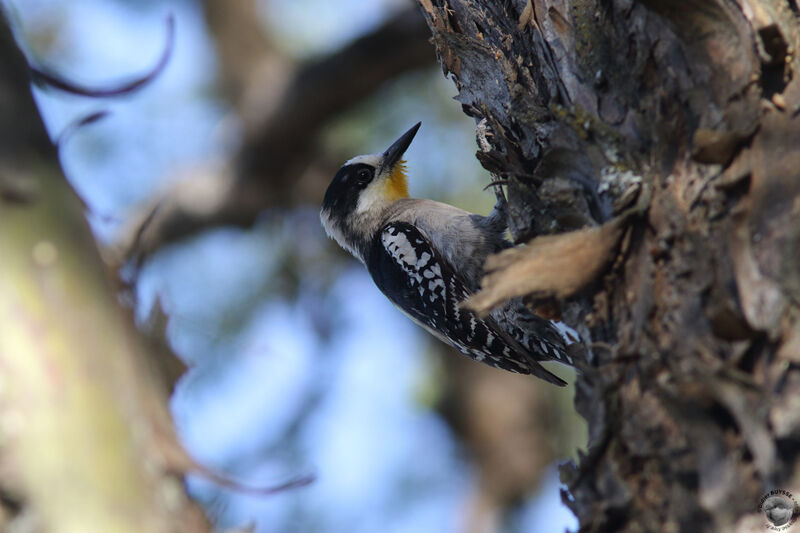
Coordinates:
(361, 192)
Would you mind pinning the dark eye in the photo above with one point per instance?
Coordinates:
(364, 175)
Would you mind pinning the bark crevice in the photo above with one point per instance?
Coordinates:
(694, 325)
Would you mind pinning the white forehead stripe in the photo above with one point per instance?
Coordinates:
(369, 159)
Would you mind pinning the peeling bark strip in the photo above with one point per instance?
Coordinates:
(550, 266)
(694, 405)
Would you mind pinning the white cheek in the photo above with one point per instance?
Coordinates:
(373, 196)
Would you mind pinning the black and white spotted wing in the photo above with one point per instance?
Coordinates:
(412, 274)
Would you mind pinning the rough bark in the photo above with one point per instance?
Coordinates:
(690, 108)
(86, 439)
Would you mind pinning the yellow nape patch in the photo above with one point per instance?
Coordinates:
(396, 183)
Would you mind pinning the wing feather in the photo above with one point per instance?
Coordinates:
(414, 276)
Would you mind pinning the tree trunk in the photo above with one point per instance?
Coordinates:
(674, 127)
(86, 440)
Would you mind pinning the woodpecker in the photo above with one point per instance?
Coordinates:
(427, 257)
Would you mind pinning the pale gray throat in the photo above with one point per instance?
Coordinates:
(355, 232)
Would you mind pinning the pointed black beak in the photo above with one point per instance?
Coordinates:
(393, 154)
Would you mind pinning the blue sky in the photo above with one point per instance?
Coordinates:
(383, 459)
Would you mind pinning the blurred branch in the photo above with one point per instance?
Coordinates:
(246, 56)
(87, 439)
(324, 88)
(47, 78)
(283, 113)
